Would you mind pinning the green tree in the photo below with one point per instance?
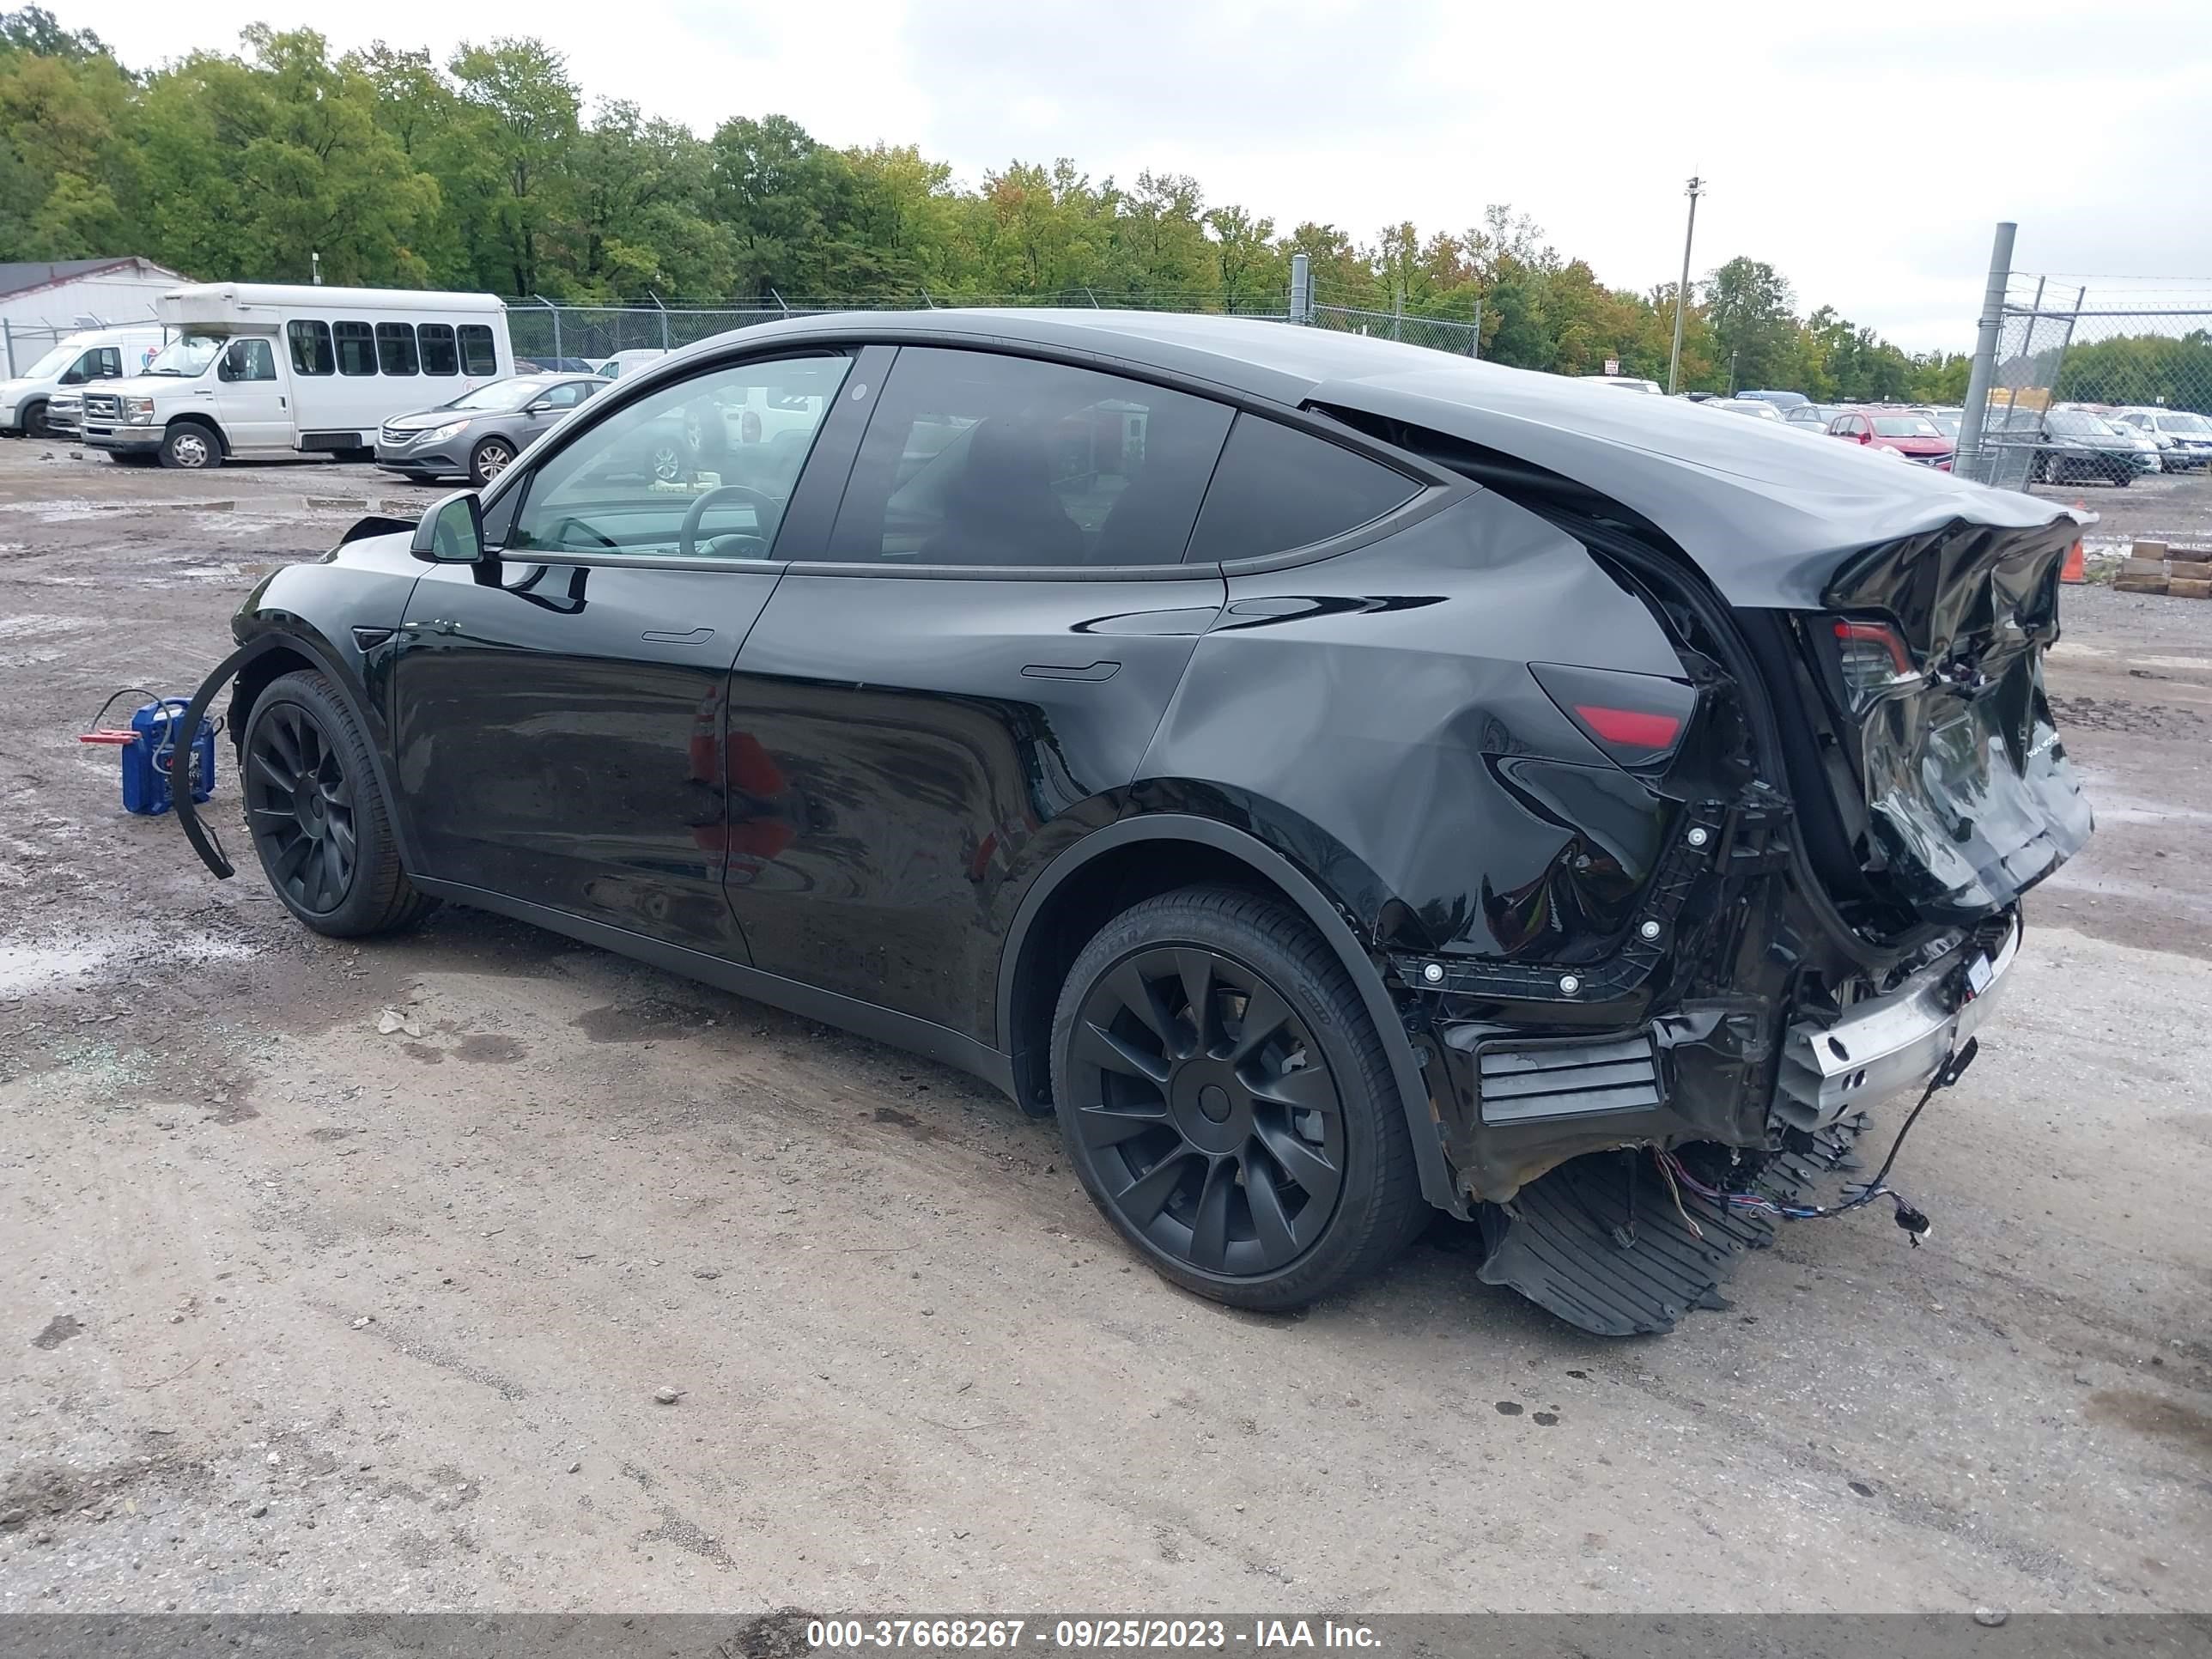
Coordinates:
(1249, 270)
(252, 168)
(524, 109)
(1748, 304)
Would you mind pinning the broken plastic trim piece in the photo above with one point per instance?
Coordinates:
(1602, 1242)
(188, 817)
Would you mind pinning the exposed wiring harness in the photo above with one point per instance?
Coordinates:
(1914, 1221)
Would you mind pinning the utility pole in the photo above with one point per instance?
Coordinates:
(1694, 189)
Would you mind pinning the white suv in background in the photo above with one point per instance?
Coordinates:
(2190, 435)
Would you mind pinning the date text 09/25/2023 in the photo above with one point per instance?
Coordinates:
(1086, 1635)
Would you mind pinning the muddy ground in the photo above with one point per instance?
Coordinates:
(295, 1314)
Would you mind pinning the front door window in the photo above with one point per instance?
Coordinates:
(682, 472)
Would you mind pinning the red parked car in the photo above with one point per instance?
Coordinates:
(1913, 436)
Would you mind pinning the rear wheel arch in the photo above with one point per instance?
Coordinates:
(1140, 857)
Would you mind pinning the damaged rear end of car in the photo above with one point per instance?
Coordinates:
(1811, 861)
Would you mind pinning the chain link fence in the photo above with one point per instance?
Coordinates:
(1437, 333)
(551, 334)
(2097, 380)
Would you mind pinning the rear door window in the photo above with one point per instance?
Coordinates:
(311, 348)
(975, 459)
(1276, 488)
(395, 347)
(440, 353)
(356, 348)
(478, 356)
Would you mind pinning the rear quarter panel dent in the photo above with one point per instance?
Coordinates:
(1357, 726)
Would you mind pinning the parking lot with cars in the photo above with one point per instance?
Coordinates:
(354, 1275)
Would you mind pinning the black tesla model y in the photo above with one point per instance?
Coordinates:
(1340, 781)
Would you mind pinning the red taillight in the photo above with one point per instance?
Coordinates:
(1873, 657)
(1630, 728)
(1637, 720)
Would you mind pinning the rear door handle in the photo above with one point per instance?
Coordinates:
(1061, 670)
(696, 636)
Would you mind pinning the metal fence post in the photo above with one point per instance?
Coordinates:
(554, 311)
(7, 341)
(1301, 288)
(1984, 372)
(656, 300)
(1474, 345)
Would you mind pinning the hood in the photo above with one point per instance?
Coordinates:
(1920, 445)
(144, 385)
(424, 419)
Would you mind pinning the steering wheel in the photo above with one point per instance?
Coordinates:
(766, 511)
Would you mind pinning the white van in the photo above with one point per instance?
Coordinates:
(97, 354)
(260, 371)
(625, 362)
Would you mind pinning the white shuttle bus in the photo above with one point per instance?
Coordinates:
(261, 372)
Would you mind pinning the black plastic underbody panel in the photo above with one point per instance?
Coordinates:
(1559, 1242)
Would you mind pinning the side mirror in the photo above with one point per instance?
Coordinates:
(451, 531)
(541, 406)
(76, 376)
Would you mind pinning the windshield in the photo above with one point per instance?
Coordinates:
(1905, 426)
(188, 355)
(2195, 425)
(53, 363)
(500, 394)
(2074, 424)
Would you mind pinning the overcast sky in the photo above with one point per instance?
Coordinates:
(1864, 151)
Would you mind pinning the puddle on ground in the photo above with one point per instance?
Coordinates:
(29, 970)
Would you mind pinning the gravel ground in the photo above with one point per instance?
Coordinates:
(301, 1316)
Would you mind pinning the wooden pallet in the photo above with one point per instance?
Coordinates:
(2179, 573)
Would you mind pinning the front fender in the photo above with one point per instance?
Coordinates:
(338, 615)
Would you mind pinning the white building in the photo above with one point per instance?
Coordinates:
(41, 300)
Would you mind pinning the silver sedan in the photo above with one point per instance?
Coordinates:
(478, 434)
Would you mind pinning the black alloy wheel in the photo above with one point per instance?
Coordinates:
(317, 815)
(300, 802)
(1226, 1102)
(1208, 1110)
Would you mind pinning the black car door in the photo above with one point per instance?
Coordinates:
(970, 677)
(558, 717)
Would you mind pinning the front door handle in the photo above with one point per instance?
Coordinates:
(696, 636)
(1061, 670)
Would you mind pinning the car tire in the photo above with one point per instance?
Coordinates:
(668, 460)
(1260, 1168)
(34, 421)
(318, 816)
(489, 459)
(191, 447)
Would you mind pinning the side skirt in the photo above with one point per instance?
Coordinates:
(918, 1036)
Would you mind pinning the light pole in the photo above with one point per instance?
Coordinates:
(1695, 189)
